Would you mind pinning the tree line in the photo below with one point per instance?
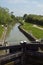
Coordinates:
(35, 19)
(6, 18)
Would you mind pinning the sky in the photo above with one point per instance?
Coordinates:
(21, 7)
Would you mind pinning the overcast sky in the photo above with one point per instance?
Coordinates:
(20, 7)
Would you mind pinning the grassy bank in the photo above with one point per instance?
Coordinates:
(34, 31)
(4, 36)
(1, 31)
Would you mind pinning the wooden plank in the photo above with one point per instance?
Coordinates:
(9, 47)
(35, 58)
(19, 46)
(10, 57)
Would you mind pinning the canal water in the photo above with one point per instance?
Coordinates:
(15, 36)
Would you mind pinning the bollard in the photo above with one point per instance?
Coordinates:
(23, 58)
(23, 45)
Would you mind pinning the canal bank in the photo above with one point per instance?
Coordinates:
(28, 35)
(2, 40)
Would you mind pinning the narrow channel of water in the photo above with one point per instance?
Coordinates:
(15, 36)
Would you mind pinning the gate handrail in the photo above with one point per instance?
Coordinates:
(10, 57)
(18, 53)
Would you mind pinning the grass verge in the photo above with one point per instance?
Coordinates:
(34, 31)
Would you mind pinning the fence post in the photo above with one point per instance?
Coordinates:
(23, 58)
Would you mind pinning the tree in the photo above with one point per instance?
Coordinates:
(25, 15)
(34, 19)
(5, 17)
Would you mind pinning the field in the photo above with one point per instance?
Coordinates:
(34, 31)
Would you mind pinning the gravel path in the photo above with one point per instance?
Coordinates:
(38, 27)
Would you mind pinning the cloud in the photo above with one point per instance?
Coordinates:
(40, 5)
(34, 2)
(31, 6)
(16, 1)
(37, 4)
(20, 7)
